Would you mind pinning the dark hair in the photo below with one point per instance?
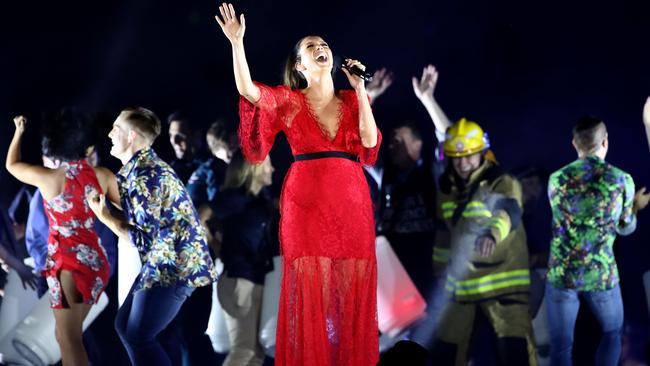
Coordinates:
(67, 135)
(415, 131)
(588, 133)
(143, 120)
(218, 130)
(179, 116)
(292, 77)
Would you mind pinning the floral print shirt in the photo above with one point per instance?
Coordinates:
(164, 225)
(591, 202)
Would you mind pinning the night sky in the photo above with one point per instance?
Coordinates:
(525, 70)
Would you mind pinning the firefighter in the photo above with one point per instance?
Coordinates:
(487, 269)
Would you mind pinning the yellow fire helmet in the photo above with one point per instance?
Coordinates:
(465, 138)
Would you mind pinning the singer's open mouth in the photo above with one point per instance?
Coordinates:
(321, 57)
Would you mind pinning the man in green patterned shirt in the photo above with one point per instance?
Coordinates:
(591, 201)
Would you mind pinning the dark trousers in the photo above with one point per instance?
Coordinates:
(194, 316)
(144, 314)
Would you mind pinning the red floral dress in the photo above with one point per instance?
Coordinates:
(328, 299)
(73, 244)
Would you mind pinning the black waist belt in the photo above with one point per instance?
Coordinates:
(327, 154)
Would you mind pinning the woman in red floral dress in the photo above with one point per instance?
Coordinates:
(76, 267)
(328, 312)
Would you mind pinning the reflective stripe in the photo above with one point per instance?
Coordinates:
(477, 213)
(489, 283)
(502, 226)
(449, 205)
(473, 209)
(440, 255)
(478, 204)
(495, 286)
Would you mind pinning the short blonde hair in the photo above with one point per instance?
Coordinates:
(143, 120)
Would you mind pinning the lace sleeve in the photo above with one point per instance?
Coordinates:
(260, 122)
(368, 156)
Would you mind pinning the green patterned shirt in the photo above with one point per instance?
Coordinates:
(591, 202)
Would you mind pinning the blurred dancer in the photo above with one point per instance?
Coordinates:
(646, 119)
(76, 267)
(480, 206)
(162, 223)
(592, 201)
(245, 210)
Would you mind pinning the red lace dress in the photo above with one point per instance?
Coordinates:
(328, 310)
(73, 244)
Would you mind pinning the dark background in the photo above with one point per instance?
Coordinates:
(524, 70)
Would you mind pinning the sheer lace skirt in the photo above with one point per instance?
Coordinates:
(328, 312)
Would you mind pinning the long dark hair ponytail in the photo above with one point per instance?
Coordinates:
(292, 77)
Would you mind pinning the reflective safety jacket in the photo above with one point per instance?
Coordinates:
(489, 204)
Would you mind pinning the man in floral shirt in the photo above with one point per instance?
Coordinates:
(591, 201)
(162, 223)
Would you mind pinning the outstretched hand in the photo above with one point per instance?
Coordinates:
(21, 123)
(233, 29)
(381, 80)
(425, 87)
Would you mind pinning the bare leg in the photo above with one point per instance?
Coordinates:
(69, 323)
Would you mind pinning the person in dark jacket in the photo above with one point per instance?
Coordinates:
(245, 211)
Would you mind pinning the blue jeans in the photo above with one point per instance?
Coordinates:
(144, 314)
(562, 307)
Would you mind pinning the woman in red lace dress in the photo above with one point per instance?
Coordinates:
(76, 267)
(328, 313)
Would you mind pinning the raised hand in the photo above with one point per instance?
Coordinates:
(355, 81)
(20, 122)
(641, 199)
(425, 87)
(233, 29)
(381, 80)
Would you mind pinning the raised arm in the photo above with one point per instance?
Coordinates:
(646, 119)
(234, 30)
(424, 89)
(367, 125)
(24, 172)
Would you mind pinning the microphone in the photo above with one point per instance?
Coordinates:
(355, 70)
